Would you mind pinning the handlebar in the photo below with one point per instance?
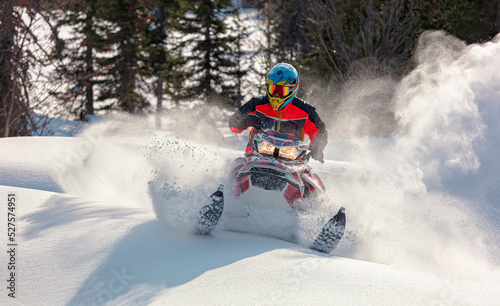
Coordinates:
(265, 127)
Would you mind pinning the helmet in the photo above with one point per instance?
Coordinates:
(282, 84)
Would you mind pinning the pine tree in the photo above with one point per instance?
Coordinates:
(291, 39)
(77, 56)
(242, 60)
(164, 60)
(473, 21)
(126, 20)
(212, 65)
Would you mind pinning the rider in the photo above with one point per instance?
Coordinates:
(281, 110)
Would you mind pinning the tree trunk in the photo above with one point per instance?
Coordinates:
(6, 68)
(159, 102)
(89, 98)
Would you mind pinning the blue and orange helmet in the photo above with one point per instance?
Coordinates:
(282, 84)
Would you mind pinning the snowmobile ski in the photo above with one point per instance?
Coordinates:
(331, 234)
(210, 214)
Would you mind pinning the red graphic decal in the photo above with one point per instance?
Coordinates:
(239, 187)
(242, 184)
(320, 182)
(292, 194)
(245, 185)
(297, 197)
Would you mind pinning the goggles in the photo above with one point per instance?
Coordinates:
(282, 91)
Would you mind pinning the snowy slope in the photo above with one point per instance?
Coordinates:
(106, 217)
(82, 249)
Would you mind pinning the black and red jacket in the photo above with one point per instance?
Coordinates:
(298, 118)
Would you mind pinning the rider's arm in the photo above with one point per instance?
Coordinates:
(239, 121)
(316, 131)
(315, 128)
(318, 136)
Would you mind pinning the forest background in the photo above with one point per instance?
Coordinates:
(198, 60)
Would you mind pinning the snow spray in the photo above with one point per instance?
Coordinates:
(428, 197)
(106, 164)
(425, 198)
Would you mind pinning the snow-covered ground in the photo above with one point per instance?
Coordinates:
(106, 217)
(87, 234)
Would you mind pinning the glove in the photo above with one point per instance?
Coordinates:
(316, 153)
(254, 121)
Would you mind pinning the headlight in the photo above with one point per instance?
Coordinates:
(290, 153)
(266, 148)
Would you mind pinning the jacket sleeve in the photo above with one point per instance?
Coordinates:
(239, 120)
(321, 140)
(316, 129)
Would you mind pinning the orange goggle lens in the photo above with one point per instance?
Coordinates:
(282, 91)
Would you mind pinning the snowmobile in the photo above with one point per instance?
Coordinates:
(275, 174)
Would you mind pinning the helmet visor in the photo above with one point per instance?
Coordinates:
(282, 91)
